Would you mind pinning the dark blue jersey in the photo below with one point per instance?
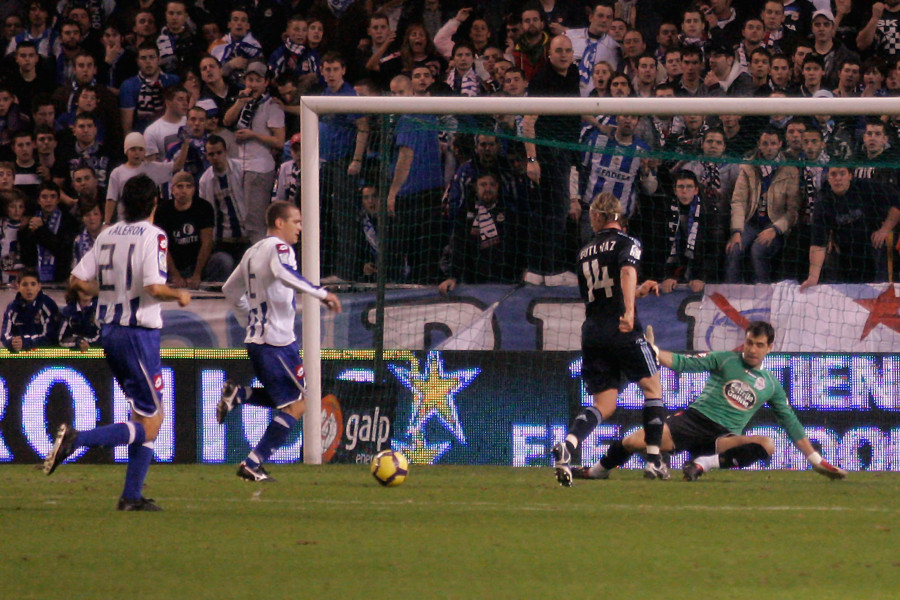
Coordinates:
(600, 265)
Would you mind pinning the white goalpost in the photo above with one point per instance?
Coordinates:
(314, 106)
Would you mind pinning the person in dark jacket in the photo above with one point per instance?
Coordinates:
(31, 320)
(78, 327)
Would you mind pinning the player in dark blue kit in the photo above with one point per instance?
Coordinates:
(127, 267)
(612, 340)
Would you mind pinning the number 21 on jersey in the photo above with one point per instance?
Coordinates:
(597, 278)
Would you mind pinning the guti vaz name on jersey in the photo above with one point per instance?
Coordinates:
(595, 249)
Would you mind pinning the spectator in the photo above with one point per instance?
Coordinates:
(68, 47)
(214, 126)
(616, 164)
(691, 84)
(287, 186)
(759, 68)
(119, 63)
(86, 149)
(31, 320)
(776, 36)
(343, 139)
(763, 211)
(462, 78)
(485, 246)
(798, 17)
(13, 25)
(592, 44)
(851, 222)
(549, 168)
(378, 50)
(78, 321)
(143, 30)
(159, 172)
(751, 38)
(189, 223)
(415, 195)
(874, 75)
(812, 178)
(50, 168)
(141, 97)
(87, 188)
(222, 186)
(109, 121)
(7, 176)
(46, 242)
(39, 30)
(237, 48)
(177, 41)
(692, 248)
(259, 128)
(13, 203)
(27, 178)
(416, 49)
(92, 218)
(793, 139)
(672, 63)
(802, 49)
(369, 239)
(780, 72)
(223, 93)
(881, 33)
(716, 180)
(645, 80)
(530, 52)
(724, 25)
(29, 77)
(487, 159)
(12, 120)
(833, 52)
(879, 161)
(739, 140)
(693, 30)
(194, 134)
(292, 56)
(163, 132)
(666, 39)
(421, 79)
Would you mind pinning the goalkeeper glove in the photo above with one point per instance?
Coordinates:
(648, 335)
(823, 467)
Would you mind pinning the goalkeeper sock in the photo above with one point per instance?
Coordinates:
(139, 458)
(742, 456)
(584, 424)
(117, 434)
(654, 415)
(616, 456)
(707, 463)
(274, 437)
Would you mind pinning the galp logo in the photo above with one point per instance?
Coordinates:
(332, 425)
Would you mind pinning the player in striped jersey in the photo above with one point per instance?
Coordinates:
(262, 289)
(612, 340)
(615, 164)
(127, 267)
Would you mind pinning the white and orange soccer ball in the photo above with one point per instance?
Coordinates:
(390, 468)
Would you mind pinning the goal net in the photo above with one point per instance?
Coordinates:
(453, 246)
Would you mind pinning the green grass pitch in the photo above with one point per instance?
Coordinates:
(448, 532)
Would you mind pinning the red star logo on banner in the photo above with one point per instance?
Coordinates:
(883, 310)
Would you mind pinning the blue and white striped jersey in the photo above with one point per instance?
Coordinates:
(612, 167)
(262, 289)
(125, 259)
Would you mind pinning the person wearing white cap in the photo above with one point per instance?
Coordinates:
(258, 122)
(135, 152)
(832, 51)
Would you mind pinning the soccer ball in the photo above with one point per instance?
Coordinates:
(390, 468)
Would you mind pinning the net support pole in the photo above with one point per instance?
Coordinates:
(312, 322)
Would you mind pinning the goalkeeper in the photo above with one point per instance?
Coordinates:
(711, 428)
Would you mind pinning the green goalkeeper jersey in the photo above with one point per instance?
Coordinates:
(733, 393)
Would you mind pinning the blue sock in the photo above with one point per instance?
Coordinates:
(117, 434)
(139, 458)
(275, 435)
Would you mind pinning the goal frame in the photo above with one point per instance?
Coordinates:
(311, 107)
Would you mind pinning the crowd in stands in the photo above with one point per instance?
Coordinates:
(204, 98)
